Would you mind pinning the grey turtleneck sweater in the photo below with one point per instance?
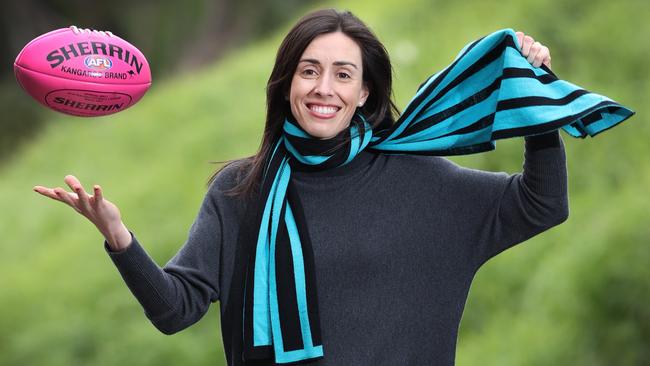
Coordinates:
(397, 240)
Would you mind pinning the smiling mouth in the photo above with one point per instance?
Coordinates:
(323, 111)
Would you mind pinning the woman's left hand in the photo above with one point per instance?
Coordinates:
(535, 52)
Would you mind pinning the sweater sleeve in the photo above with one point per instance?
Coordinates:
(527, 203)
(177, 295)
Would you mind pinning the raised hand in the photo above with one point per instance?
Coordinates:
(101, 212)
(535, 52)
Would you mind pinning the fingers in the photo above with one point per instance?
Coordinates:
(543, 56)
(535, 52)
(75, 185)
(58, 194)
(547, 61)
(47, 192)
(532, 55)
(78, 199)
(520, 38)
(527, 42)
(66, 197)
(98, 196)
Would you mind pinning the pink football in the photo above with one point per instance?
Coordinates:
(83, 72)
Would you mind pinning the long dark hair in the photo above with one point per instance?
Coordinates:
(379, 109)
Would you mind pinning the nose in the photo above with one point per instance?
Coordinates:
(324, 85)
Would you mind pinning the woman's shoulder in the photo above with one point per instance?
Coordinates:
(445, 170)
(230, 175)
(422, 163)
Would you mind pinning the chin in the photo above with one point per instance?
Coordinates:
(323, 134)
(320, 130)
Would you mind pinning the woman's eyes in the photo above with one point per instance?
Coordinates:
(312, 73)
(344, 75)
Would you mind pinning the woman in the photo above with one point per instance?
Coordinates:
(363, 258)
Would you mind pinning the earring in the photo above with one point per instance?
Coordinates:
(360, 104)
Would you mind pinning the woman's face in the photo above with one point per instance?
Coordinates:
(327, 85)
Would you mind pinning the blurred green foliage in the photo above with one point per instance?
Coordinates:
(574, 295)
(176, 38)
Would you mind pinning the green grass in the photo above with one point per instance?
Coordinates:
(572, 295)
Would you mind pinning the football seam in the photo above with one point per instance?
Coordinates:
(90, 82)
(42, 36)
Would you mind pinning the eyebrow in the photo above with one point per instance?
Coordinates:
(336, 63)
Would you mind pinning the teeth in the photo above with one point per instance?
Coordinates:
(323, 109)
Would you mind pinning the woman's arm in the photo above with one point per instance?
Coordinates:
(536, 199)
(527, 203)
(179, 294)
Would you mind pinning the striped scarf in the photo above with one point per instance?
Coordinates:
(489, 92)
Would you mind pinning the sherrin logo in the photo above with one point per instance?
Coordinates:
(96, 62)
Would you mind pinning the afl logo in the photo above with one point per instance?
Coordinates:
(96, 62)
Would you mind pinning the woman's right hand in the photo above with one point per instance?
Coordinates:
(101, 212)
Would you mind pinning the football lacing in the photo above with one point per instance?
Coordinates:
(76, 30)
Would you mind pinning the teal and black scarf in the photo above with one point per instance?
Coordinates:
(489, 92)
